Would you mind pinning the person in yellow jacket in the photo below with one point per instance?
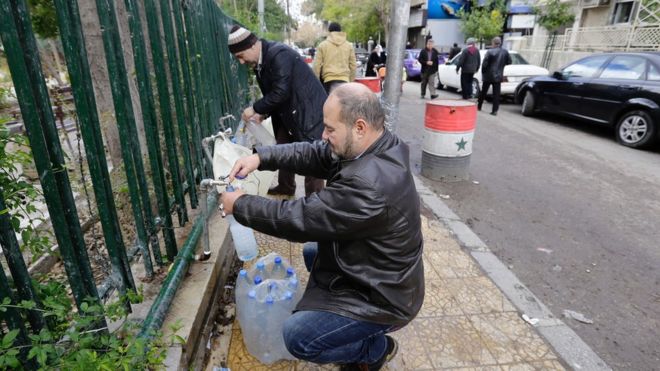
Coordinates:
(334, 62)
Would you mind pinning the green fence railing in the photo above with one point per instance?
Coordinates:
(186, 83)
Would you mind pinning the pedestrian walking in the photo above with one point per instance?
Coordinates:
(334, 63)
(492, 72)
(292, 96)
(454, 51)
(468, 64)
(377, 59)
(428, 58)
(367, 274)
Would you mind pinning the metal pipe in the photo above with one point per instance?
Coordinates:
(159, 308)
(207, 187)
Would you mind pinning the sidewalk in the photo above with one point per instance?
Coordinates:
(465, 323)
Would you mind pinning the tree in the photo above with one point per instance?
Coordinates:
(44, 24)
(552, 15)
(360, 20)
(483, 23)
(307, 35)
(245, 11)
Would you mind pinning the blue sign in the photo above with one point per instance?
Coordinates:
(446, 9)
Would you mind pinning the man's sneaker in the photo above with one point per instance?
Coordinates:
(422, 96)
(390, 352)
(434, 96)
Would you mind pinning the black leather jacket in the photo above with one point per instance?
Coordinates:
(425, 57)
(492, 69)
(366, 220)
(292, 95)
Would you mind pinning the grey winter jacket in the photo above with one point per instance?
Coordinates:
(469, 60)
(366, 220)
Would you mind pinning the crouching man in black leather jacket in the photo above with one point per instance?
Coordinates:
(367, 278)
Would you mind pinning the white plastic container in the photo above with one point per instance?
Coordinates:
(260, 133)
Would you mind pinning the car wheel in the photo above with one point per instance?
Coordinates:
(636, 129)
(475, 88)
(528, 104)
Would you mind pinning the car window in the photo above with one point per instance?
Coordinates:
(625, 67)
(517, 59)
(456, 58)
(654, 73)
(586, 67)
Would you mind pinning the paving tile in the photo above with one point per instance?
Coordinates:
(430, 272)
(438, 301)
(412, 354)
(306, 366)
(437, 263)
(547, 365)
(510, 339)
(452, 342)
(484, 368)
(457, 261)
(477, 295)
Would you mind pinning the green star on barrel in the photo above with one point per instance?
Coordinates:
(461, 144)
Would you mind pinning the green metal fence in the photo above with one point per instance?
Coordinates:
(196, 83)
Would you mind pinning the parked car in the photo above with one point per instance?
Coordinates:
(411, 64)
(621, 90)
(514, 73)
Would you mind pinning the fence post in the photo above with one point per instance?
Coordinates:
(25, 66)
(17, 266)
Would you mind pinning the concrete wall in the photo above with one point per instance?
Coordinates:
(559, 58)
(596, 17)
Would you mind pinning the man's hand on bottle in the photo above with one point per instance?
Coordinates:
(227, 200)
(250, 115)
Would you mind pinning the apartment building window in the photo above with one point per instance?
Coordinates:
(623, 11)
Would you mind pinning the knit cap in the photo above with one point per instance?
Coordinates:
(240, 39)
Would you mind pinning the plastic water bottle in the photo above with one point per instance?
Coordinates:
(243, 283)
(257, 280)
(278, 269)
(244, 241)
(261, 269)
(260, 133)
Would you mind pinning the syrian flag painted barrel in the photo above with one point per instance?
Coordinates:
(448, 132)
(373, 83)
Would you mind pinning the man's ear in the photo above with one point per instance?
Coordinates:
(360, 127)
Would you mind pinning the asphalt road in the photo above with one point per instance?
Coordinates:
(575, 215)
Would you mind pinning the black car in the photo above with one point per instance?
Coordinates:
(617, 89)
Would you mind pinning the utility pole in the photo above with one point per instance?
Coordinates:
(399, 14)
(262, 23)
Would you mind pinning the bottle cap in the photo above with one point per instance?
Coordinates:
(260, 265)
(288, 295)
(269, 299)
(257, 280)
(229, 188)
(242, 273)
(252, 294)
(278, 260)
(290, 271)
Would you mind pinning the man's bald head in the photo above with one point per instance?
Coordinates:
(358, 102)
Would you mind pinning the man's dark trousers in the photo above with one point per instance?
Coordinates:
(426, 76)
(286, 181)
(466, 85)
(496, 94)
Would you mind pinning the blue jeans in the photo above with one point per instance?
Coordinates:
(324, 337)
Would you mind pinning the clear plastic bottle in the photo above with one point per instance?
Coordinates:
(260, 133)
(261, 269)
(243, 283)
(278, 271)
(244, 241)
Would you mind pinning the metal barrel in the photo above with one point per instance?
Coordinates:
(373, 83)
(448, 132)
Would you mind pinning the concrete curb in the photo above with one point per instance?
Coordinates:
(568, 345)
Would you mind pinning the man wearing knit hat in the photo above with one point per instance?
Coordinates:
(292, 96)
